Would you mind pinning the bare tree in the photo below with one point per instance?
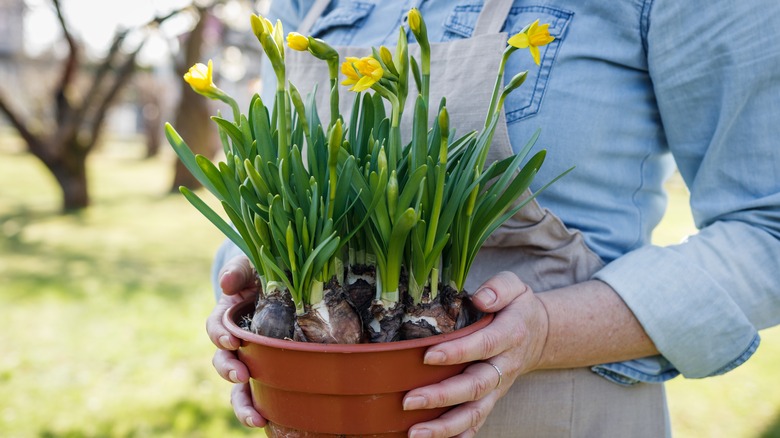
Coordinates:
(64, 145)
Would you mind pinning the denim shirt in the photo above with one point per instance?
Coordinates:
(628, 89)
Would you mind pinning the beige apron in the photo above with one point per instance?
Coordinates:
(534, 244)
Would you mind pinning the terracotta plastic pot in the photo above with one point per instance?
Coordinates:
(322, 390)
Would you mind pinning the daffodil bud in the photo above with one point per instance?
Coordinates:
(415, 20)
(472, 199)
(297, 41)
(290, 240)
(444, 122)
(381, 162)
(513, 84)
(418, 28)
(278, 34)
(260, 25)
(387, 59)
(402, 55)
(321, 49)
(392, 194)
(516, 81)
(334, 143)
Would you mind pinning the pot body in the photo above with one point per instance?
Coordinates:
(325, 389)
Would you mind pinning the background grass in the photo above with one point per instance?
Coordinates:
(103, 314)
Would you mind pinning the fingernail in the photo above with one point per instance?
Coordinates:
(250, 422)
(434, 358)
(225, 342)
(420, 433)
(233, 376)
(414, 402)
(486, 297)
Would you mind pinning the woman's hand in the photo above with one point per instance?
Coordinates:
(237, 280)
(512, 343)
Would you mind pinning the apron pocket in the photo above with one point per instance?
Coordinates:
(526, 100)
(338, 26)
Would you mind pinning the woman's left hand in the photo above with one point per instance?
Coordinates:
(512, 343)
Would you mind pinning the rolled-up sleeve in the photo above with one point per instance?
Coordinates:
(716, 74)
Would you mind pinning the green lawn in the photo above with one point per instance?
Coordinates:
(104, 315)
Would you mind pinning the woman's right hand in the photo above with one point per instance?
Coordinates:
(237, 280)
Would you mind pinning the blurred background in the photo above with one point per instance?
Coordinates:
(104, 267)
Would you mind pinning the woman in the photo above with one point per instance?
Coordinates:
(591, 318)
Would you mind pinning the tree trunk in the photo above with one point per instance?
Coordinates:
(193, 124)
(70, 171)
(152, 128)
(192, 115)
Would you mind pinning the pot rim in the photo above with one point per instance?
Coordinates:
(285, 344)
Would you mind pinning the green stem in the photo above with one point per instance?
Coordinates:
(394, 142)
(434, 283)
(333, 70)
(425, 52)
(281, 111)
(221, 95)
(499, 83)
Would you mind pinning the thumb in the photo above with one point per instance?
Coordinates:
(237, 275)
(498, 291)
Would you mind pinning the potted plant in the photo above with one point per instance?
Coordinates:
(362, 244)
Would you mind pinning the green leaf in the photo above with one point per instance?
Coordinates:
(229, 180)
(419, 144)
(270, 263)
(411, 188)
(300, 177)
(262, 130)
(520, 183)
(235, 134)
(288, 198)
(258, 183)
(240, 226)
(249, 197)
(321, 255)
(416, 73)
(214, 177)
(343, 187)
(188, 158)
(215, 219)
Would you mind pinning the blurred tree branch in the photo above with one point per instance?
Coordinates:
(64, 146)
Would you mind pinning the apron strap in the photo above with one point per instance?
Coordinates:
(315, 12)
(492, 17)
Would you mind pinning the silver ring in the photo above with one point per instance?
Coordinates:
(500, 374)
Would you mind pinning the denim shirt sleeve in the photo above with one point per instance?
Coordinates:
(716, 75)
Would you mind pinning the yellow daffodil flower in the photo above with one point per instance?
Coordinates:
(361, 73)
(297, 41)
(200, 78)
(533, 38)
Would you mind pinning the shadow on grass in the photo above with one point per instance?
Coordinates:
(75, 271)
(773, 430)
(186, 418)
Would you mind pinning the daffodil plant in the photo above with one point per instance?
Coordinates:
(365, 238)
